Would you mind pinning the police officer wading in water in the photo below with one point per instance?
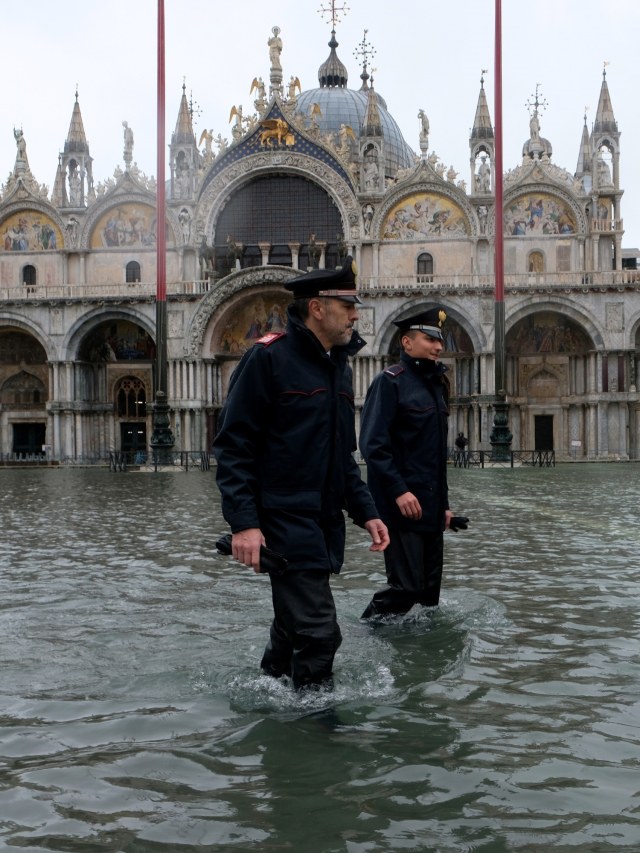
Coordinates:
(403, 439)
(286, 470)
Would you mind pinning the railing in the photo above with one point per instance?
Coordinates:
(578, 279)
(513, 281)
(104, 291)
(607, 225)
(22, 458)
(121, 460)
(482, 458)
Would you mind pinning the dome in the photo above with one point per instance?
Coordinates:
(536, 146)
(340, 105)
(346, 106)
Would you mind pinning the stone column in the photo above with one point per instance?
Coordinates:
(603, 432)
(623, 431)
(592, 430)
(376, 260)
(265, 248)
(294, 248)
(565, 432)
(79, 438)
(57, 454)
(618, 250)
(82, 271)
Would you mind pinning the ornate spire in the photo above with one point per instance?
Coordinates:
(482, 127)
(605, 119)
(584, 155)
(184, 125)
(536, 146)
(364, 52)
(74, 178)
(371, 125)
(76, 140)
(333, 73)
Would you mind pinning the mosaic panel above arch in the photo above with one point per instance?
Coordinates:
(129, 225)
(117, 340)
(249, 320)
(538, 214)
(423, 215)
(547, 332)
(18, 347)
(30, 231)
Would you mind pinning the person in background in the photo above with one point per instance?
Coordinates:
(461, 443)
(403, 439)
(286, 471)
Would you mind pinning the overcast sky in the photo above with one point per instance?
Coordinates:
(427, 56)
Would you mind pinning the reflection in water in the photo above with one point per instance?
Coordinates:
(134, 717)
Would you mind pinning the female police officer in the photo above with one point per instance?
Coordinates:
(403, 439)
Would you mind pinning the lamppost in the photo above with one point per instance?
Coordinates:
(162, 437)
(500, 438)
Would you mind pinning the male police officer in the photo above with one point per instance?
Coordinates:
(403, 439)
(286, 470)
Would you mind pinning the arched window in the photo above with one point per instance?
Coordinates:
(29, 275)
(276, 210)
(133, 272)
(280, 255)
(131, 398)
(23, 389)
(251, 256)
(425, 267)
(535, 262)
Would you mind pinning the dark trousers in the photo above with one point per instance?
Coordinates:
(304, 636)
(413, 561)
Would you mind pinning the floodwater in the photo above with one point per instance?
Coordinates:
(134, 718)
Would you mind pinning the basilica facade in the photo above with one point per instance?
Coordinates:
(303, 180)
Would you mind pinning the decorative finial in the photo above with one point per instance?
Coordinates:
(537, 106)
(194, 106)
(604, 68)
(365, 50)
(334, 11)
(483, 71)
(76, 93)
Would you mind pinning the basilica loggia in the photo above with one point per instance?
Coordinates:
(305, 178)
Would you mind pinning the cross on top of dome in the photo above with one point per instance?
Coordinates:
(334, 11)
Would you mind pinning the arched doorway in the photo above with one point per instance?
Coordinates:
(24, 392)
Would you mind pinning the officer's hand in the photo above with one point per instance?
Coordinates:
(409, 506)
(245, 547)
(379, 534)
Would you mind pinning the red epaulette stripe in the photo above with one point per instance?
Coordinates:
(266, 340)
(394, 370)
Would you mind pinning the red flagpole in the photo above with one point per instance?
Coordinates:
(162, 438)
(161, 239)
(499, 237)
(500, 436)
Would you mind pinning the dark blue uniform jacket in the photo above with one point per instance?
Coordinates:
(284, 447)
(403, 439)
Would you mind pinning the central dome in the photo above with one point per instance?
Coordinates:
(340, 105)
